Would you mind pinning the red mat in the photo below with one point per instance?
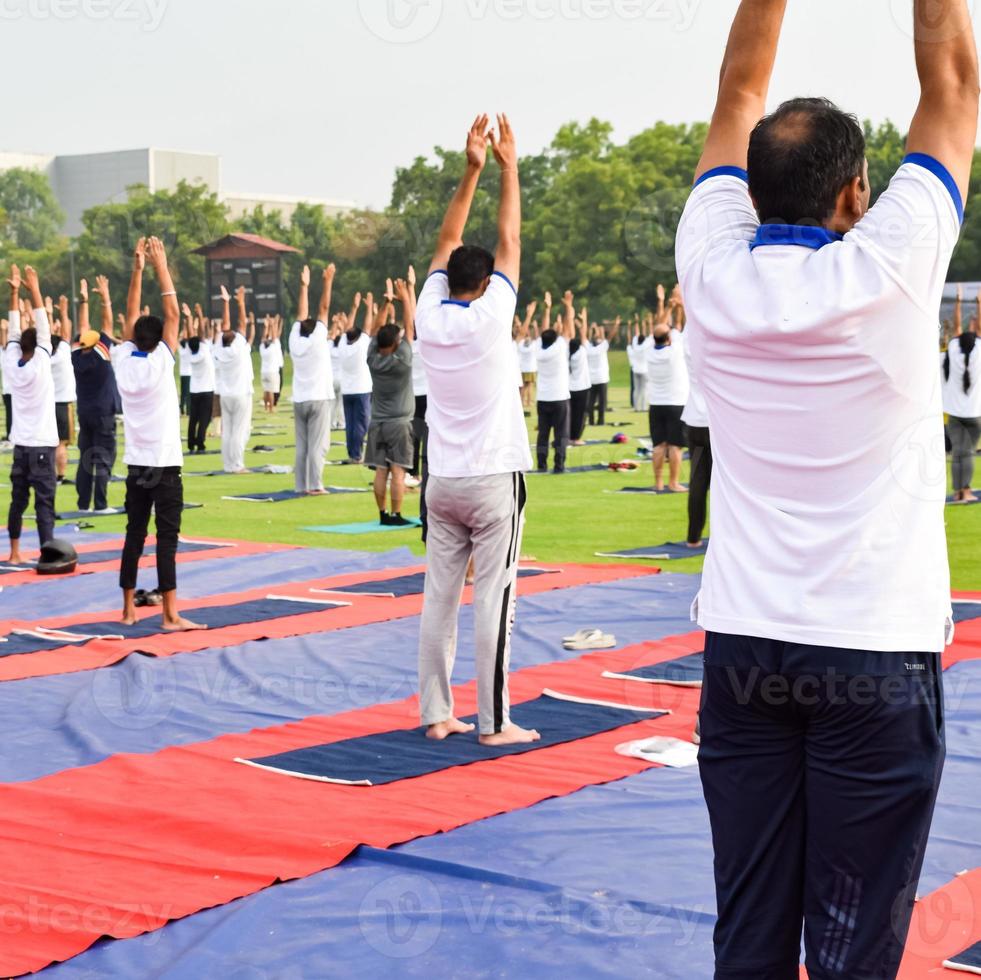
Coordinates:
(229, 549)
(363, 611)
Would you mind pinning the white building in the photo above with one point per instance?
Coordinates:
(83, 180)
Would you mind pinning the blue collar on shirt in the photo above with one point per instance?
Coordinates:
(807, 235)
(140, 353)
(455, 302)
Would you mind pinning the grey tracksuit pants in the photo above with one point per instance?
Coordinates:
(964, 435)
(484, 516)
(311, 421)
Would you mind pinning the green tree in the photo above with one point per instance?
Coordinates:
(30, 217)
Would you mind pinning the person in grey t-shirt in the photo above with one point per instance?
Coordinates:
(390, 448)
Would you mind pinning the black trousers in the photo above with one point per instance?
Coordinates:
(699, 481)
(578, 405)
(97, 449)
(202, 405)
(597, 404)
(820, 768)
(185, 394)
(160, 490)
(33, 468)
(8, 411)
(553, 420)
(419, 432)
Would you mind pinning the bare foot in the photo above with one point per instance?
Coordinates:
(968, 497)
(693, 544)
(677, 488)
(316, 493)
(181, 625)
(130, 620)
(443, 729)
(512, 735)
(659, 486)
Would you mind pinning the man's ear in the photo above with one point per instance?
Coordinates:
(854, 194)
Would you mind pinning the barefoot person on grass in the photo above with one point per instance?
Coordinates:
(478, 448)
(144, 366)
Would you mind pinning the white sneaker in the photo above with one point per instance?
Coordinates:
(411, 481)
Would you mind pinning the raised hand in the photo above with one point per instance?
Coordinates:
(530, 309)
(503, 145)
(548, 300)
(401, 290)
(240, 294)
(186, 310)
(139, 256)
(14, 280)
(329, 272)
(660, 293)
(568, 298)
(356, 302)
(389, 291)
(155, 253)
(477, 142)
(225, 298)
(305, 276)
(411, 275)
(83, 289)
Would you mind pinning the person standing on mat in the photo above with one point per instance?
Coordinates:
(598, 355)
(234, 374)
(667, 393)
(478, 449)
(98, 402)
(695, 419)
(389, 449)
(270, 364)
(313, 384)
(144, 366)
(202, 385)
(826, 591)
(961, 366)
(356, 380)
(580, 383)
(27, 369)
(554, 396)
(63, 377)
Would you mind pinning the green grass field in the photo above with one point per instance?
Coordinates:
(570, 517)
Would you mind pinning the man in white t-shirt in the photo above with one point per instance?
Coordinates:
(667, 393)
(554, 396)
(27, 372)
(202, 389)
(234, 379)
(313, 384)
(144, 368)
(598, 355)
(812, 321)
(478, 449)
(271, 363)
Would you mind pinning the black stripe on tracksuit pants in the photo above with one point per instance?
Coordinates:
(504, 630)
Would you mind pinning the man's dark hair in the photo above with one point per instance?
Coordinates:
(387, 336)
(308, 326)
(548, 338)
(574, 346)
(148, 332)
(966, 342)
(28, 341)
(353, 335)
(800, 157)
(468, 267)
(227, 338)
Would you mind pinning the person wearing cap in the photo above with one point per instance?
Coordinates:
(27, 372)
(97, 400)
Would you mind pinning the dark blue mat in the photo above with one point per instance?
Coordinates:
(84, 515)
(684, 671)
(410, 584)
(660, 552)
(592, 468)
(967, 962)
(965, 503)
(965, 609)
(278, 495)
(110, 554)
(214, 617)
(388, 757)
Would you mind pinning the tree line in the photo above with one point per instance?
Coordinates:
(599, 218)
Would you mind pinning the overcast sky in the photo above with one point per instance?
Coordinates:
(327, 97)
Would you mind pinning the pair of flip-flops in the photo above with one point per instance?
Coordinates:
(624, 466)
(589, 639)
(141, 597)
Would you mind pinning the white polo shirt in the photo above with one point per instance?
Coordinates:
(30, 385)
(818, 362)
(667, 372)
(202, 369)
(638, 355)
(579, 379)
(696, 411)
(63, 372)
(233, 368)
(958, 402)
(313, 372)
(526, 357)
(476, 423)
(270, 359)
(355, 376)
(553, 371)
(599, 362)
(151, 408)
(184, 359)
